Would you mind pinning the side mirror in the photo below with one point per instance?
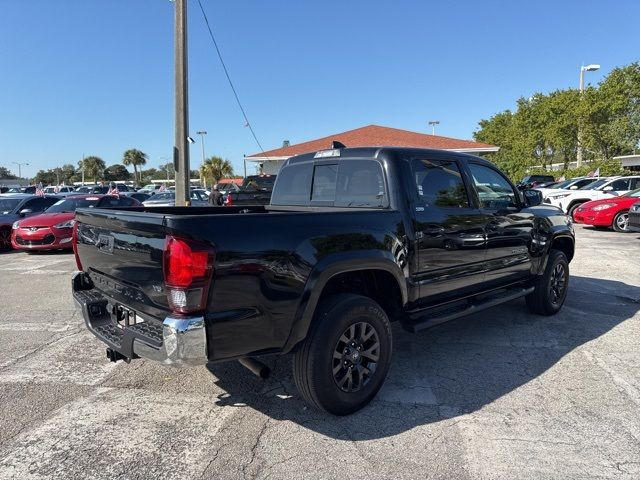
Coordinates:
(573, 187)
(607, 189)
(532, 197)
(25, 211)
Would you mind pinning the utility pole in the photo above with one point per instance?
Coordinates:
(83, 170)
(20, 168)
(202, 133)
(181, 148)
(433, 124)
(588, 68)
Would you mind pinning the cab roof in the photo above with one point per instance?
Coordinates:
(386, 153)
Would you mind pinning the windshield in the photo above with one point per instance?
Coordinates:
(71, 204)
(163, 196)
(7, 205)
(634, 193)
(594, 185)
(564, 184)
(259, 182)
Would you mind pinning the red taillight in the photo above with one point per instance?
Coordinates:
(188, 267)
(228, 201)
(75, 245)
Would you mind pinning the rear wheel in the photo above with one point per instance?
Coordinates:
(621, 221)
(551, 287)
(344, 360)
(5, 239)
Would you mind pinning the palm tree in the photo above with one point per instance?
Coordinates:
(216, 168)
(134, 157)
(93, 167)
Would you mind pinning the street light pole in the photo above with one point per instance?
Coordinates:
(588, 68)
(433, 124)
(20, 168)
(202, 133)
(181, 148)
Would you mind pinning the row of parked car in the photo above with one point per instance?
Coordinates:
(605, 202)
(45, 222)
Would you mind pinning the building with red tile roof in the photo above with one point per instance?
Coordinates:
(371, 135)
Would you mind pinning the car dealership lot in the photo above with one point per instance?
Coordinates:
(501, 394)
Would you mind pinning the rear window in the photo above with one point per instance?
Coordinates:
(350, 183)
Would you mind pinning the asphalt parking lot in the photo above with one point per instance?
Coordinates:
(499, 395)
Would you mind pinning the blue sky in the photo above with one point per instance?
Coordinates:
(89, 77)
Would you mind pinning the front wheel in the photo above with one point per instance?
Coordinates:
(345, 358)
(572, 210)
(621, 221)
(551, 287)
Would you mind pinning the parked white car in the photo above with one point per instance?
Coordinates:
(571, 184)
(62, 191)
(569, 200)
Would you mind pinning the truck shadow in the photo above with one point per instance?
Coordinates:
(450, 370)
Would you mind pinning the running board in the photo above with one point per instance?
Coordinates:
(430, 317)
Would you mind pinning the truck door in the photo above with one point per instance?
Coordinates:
(508, 227)
(449, 230)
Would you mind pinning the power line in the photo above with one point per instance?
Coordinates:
(226, 72)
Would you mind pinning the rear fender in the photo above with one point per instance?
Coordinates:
(331, 266)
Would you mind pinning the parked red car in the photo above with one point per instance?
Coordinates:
(53, 229)
(610, 212)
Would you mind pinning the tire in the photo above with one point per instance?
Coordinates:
(572, 209)
(551, 287)
(621, 221)
(324, 362)
(5, 239)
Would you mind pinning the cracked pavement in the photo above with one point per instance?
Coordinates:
(499, 395)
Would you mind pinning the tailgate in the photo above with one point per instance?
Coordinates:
(122, 252)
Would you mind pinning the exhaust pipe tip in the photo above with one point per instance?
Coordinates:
(256, 367)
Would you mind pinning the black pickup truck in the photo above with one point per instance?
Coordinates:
(255, 190)
(353, 239)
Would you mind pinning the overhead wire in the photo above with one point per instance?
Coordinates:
(226, 72)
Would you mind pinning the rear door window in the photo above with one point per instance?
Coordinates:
(439, 183)
(360, 183)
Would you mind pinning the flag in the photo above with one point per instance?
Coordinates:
(40, 190)
(597, 172)
(56, 189)
(161, 189)
(562, 179)
(113, 191)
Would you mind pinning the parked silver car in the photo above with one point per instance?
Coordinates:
(168, 199)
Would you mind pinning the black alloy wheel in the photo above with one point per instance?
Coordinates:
(550, 288)
(344, 360)
(355, 357)
(558, 284)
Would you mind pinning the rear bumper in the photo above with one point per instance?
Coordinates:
(179, 342)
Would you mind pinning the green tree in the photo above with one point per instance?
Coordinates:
(610, 114)
(46, 177)
(168, 169)
(215, 168)
(5, 173)
(136, 158)
(116, 172)
(150, 174)
(67, 173)
(93, 167)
